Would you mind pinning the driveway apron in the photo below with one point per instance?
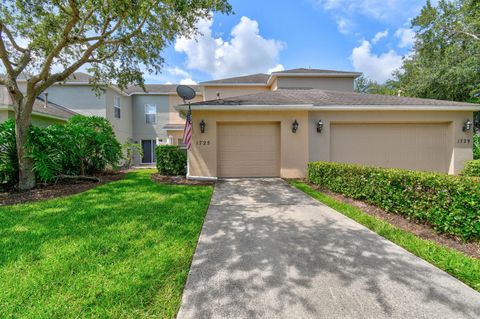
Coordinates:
(268, 250)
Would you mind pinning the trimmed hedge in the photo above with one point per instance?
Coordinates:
(472, 168)
(171, 160)
(451, 204)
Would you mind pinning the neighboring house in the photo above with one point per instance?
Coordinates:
(145, 116)
(44, 113)
(273, 125)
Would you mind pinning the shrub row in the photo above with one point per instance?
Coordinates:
(472, 168)
(83, 146)
(171, 160)
(451, 204)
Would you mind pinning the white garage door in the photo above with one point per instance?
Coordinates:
(248, 149)
(424, 147)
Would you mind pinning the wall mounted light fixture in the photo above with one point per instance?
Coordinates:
(202, 126)
(319, 126)
(467, 125)
(294, 126)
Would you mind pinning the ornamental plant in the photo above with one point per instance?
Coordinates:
(450, 204)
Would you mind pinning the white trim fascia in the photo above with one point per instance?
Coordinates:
(312, 75)
(202, 178)
(312, 107)
(235, 84)
(170, 129)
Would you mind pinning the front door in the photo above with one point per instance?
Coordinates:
(148, 147)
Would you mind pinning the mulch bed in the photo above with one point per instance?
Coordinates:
(422, 230)
(178, 180)
(60, 189)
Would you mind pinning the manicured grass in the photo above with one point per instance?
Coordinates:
(465, 268)
(121, 250)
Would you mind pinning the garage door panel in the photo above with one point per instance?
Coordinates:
(248, 149)
(410, 146)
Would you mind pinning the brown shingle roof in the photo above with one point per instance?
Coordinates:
(313, 71)
(52, 109)
(157, 88)
(323, 97)
(259, 78)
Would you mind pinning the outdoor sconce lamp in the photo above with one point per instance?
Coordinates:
(202, 126)
(467, 125)
(294, 126)
(319, 126)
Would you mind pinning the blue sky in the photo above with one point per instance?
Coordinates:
(370, 36)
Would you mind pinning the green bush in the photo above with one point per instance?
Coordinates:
(171, 160)
(472, 168)
(84, 145)
(451, 204)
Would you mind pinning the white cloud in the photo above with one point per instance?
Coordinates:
(246, 52)
(376, 67)
(168, 82)
(188, 81)
(276, 68)
(344, 25)
(379, 35)
(178, 71)
(377, 9)
(406, 36)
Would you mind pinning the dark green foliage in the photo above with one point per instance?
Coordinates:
(84, 145)
(8, 155)
(91, 145)
(476, 146)
(130, 148)
(449, 203)
(472, 168)
(171, 160)
(445, 60)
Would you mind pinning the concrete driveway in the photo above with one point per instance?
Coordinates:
(268, 250)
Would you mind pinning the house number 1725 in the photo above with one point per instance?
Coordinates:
(202, 142)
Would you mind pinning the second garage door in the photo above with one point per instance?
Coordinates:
(425, 147)
(248, 149)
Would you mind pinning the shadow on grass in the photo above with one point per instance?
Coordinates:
(122, 248)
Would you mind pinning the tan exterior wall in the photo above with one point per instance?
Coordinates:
(293, 146)
(174, 115)
(336, 84)
(210, 92)
(176, 136)
(320, 144)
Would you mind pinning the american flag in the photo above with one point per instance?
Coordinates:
(187, 132)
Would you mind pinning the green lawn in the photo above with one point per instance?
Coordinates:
(465, 268)
(121, 250)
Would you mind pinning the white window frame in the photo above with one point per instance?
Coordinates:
(117, 106)
(147, 112)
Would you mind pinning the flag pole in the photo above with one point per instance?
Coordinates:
(188, 159)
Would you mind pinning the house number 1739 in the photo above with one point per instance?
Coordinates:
(202, 143)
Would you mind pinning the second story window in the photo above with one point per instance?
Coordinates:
(150, 113)
(116, 107)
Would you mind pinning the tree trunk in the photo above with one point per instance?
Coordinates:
(26, 176)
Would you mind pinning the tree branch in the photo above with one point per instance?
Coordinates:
(61, 45)
(11, 38)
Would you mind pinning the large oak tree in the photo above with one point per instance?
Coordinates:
(45, 41)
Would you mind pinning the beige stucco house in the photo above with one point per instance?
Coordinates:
(264, 125)
(273, 125)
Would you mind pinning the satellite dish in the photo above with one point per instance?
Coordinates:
(186, 92)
